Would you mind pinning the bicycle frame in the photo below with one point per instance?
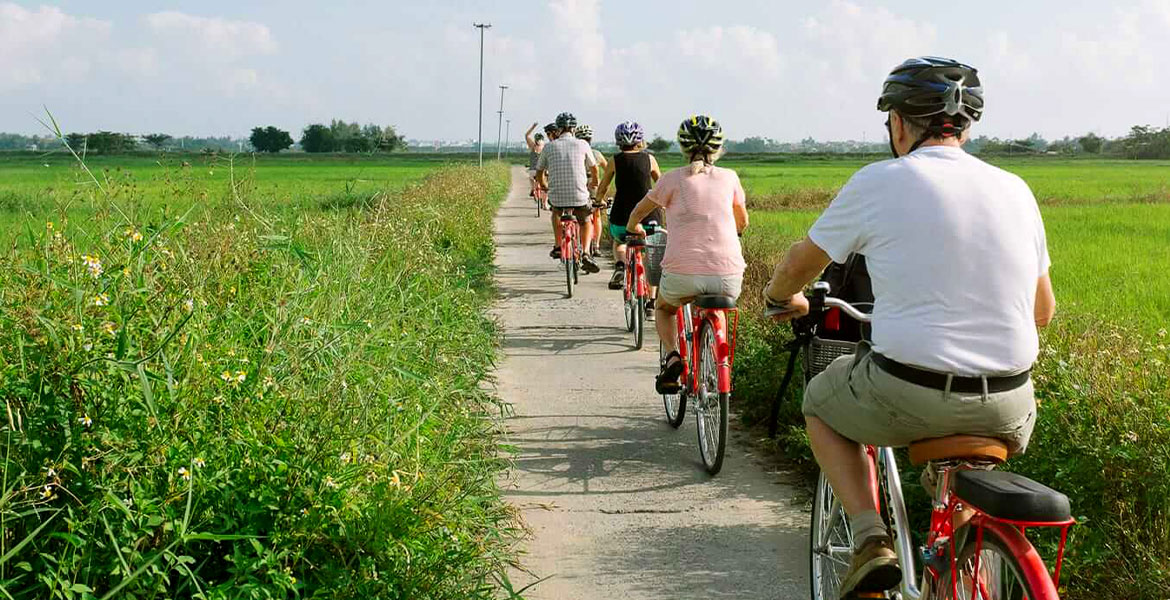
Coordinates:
(636, 284)
(689, 327)
(570, 242)
(942, 530)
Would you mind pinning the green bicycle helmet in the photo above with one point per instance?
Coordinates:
(584, 132)
(700, 134)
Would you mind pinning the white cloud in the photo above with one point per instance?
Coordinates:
(45, 44)
(217, 38)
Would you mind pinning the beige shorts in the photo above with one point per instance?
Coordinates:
(677, 290)
(862, 402)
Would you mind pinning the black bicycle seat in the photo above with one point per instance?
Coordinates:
(715, 302)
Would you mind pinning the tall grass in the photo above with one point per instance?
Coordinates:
(251, 406)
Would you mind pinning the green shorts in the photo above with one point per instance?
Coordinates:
(617, 232)
(862, 402)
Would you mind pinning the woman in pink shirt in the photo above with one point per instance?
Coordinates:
(705, 212)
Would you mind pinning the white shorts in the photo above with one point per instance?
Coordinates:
(532, 173)
(677, 290)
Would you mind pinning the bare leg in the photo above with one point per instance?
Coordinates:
(619, 253)
(844, 463)
(587, 234)
(665, 325)
(556, 224)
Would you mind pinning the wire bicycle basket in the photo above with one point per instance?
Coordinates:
(655, 249)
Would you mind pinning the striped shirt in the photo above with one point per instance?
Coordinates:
(567, 160)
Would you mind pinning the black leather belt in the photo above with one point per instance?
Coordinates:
(938, 381)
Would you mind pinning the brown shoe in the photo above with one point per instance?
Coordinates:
(874, 569)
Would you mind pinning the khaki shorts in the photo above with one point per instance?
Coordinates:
(580, 212)
(677, 290)
(862, 402)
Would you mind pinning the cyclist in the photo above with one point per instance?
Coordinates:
(957, 255)
(585, 132)
(567, 169)
(633, 171)
(705, 208)
(535, 145)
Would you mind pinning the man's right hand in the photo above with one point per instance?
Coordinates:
(795, 307)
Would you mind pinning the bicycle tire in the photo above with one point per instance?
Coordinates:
(828, 562)
(712, 429)
(628, 303)
(1030, 576)
(639, 321)
(568, 276)
(675, 404)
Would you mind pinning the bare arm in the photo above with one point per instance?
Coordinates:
(801, 264)
(741, 217)
(603, 187)
(1045, 302)
(655, 172)
(528, 137)
(641, 211)
(593, 176)
(542, 179)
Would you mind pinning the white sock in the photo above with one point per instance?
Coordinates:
(865, 527)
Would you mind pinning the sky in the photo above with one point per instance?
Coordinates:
(773, 68)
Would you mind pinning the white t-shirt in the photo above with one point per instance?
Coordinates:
(955, 248)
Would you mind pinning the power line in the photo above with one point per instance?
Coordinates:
(481, 27)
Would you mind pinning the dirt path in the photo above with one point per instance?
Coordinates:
(617, 500)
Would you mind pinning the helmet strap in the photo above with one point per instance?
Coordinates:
(890, 135)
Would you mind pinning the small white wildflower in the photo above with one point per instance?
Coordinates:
(306, 321)
(50, 472)
(93, 265)
(198, 462)
(128, 501)
(109, 328)
(269, 381)
(304, 512)
(346, 458)
(101, 300)
(226, 376)
(241, 376)
(1132, 437)
(344, 385)
(85, 421)
(184, 473)
(87, 346)
(189, 304)
(329, 483)
(47, 492)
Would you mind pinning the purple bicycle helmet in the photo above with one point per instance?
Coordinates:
(628, 133)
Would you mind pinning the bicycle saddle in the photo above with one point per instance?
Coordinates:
(952, 447)
(715, 301)
(1013, 497)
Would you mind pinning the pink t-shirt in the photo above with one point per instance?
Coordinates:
(702, 238)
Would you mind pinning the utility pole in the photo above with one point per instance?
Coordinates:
(481, 27)
(507, 136)
(500, 125)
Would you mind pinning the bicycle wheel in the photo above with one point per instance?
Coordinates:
(830, 543)
(676, 404)
(569, 268)
(628, 303)
(639, 321)
(711, 405)
(1002, 574)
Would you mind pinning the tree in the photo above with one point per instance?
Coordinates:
(157, 139)
(270, 139)
(658, 144)
(1091, 143)
(109, 142)
(317, 138)
(76, 141)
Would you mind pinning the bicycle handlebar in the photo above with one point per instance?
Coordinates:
(819, 300)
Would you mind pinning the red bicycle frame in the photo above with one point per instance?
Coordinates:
(570, 246)
(636, 284)
(724, 351)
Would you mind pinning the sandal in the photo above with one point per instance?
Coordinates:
(667, 380)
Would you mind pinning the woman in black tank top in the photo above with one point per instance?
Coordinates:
(633, 171)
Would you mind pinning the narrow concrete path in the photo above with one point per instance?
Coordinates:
(618, 502)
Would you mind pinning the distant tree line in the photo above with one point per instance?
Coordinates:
(340, 136)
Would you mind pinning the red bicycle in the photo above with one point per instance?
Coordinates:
(976, 547)
(540, 195)
(570, 248)
(706, 376)
(636, 289)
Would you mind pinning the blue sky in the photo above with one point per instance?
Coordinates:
(781, 69)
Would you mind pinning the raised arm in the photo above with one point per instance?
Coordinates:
(606, 178)
(528, 137)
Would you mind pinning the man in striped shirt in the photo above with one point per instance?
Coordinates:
(567, 169)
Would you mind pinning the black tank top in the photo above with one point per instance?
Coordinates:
(632, 181)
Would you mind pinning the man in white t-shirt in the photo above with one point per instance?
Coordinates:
(957, 255)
